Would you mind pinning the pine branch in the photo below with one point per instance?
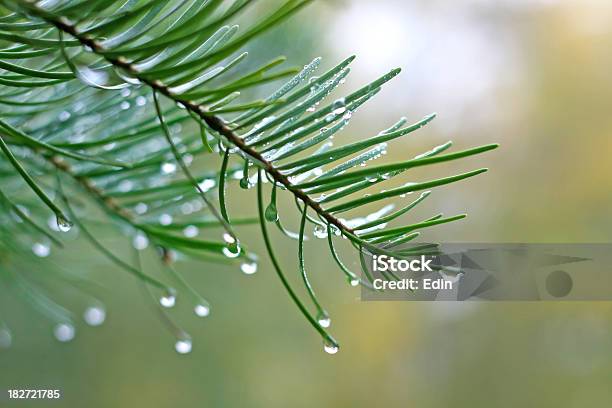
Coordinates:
(213, 121)
(176, 50)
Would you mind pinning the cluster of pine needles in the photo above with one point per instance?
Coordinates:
(113, 107)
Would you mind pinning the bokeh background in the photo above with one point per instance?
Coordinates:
(533, 75)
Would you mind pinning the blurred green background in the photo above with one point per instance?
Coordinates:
(533, 75)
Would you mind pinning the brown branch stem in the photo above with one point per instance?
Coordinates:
(213, 121)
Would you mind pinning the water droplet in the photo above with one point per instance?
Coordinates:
(141, 208)
(353, 281)
(248, 268)
(330, 117)
(125, 105)
(232, 250)
(183, 346)
(64, 116)
(140, 241)
(168, 300)
(348, 115)
(165, 219)
(125, 92)
(320, 231)
(51, 222)
(339, 106)
(201, 310)
(206, 184)
(125, 186)
(187, 208)
(228, 238)
(41, 250)
(141, 100)
(372, 179)
(64, 332)
(6, 339)
(191, 231)
(168, 168)
(271, 213)
(244, 182)
(330, 348)
(94, 315)
(323, 319)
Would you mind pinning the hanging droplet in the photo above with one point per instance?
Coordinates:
(320, 231)
(232, 250)
(63, 224)
(271, 213)
(64, 332)
(248, 268)
(353, 281)
(323, 319)
(183, 346)
(94, 315)
(330, 348)
(244, 182)
(6, 339)
(140, 241)
(41, 250)
(168, 300)
(201, 310)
